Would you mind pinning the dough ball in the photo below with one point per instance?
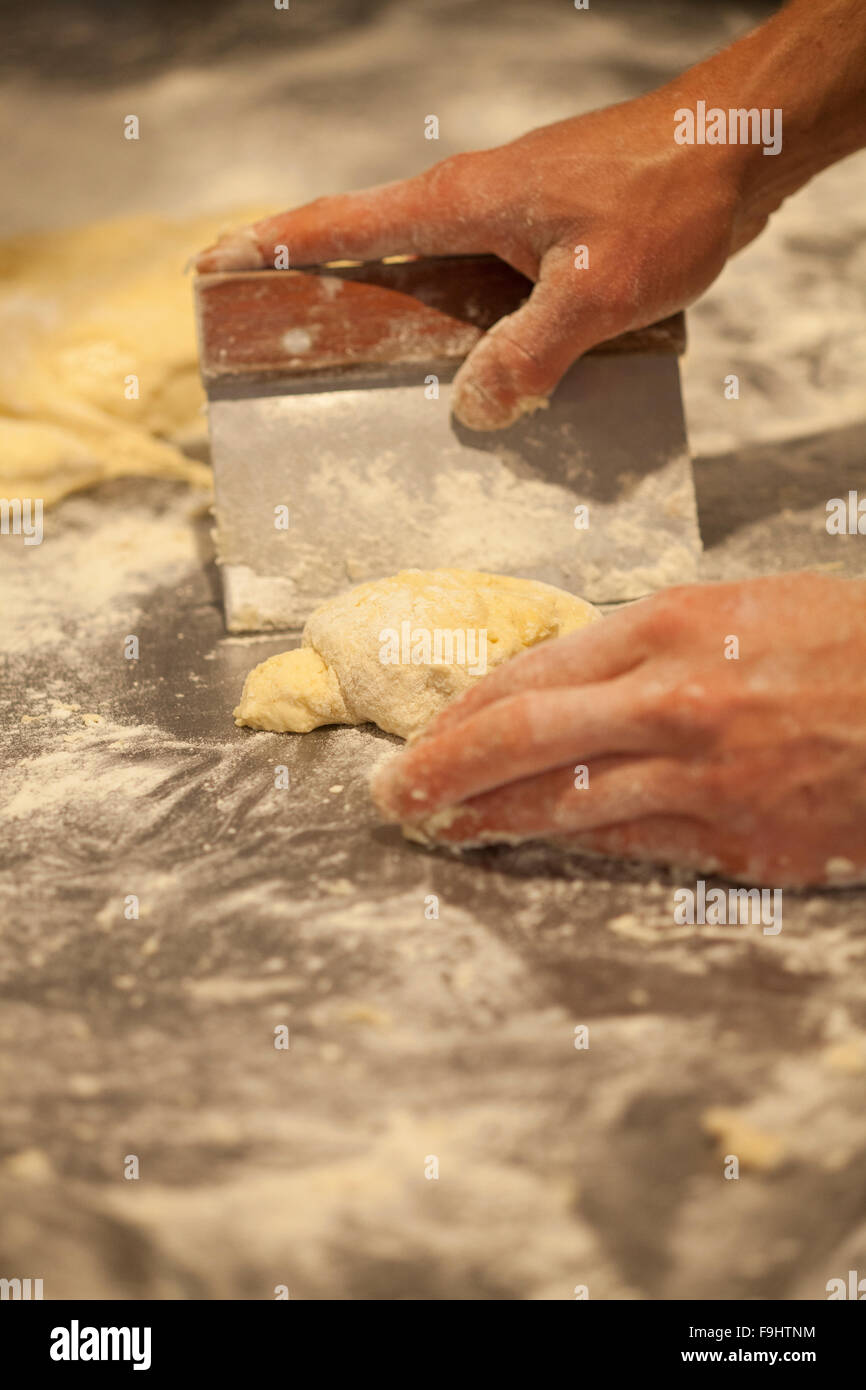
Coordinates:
(395, 651)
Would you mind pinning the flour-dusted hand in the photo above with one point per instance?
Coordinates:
(720, 726)
(657, 218)
(658, 221)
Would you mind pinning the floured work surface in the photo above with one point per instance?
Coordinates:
(410, 1035)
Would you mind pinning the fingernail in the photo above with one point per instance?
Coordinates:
(474, 408)
(477, 410)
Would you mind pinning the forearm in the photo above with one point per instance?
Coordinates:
(809, 62)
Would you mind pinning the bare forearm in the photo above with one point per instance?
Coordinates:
(807, 62)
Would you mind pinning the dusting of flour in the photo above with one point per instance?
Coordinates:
(94, 567)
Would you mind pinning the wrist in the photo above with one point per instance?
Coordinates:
(794, 95)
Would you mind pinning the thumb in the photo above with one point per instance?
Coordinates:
(519, 361)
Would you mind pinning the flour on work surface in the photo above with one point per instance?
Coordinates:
(94, 567)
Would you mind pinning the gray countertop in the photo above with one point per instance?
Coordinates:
(410, 1035)
(413, 1038)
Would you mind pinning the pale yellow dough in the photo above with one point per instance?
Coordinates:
(81, 312)
(337, 676)
(294, 692)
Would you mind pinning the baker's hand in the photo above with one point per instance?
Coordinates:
(658, 221)
(720, 726)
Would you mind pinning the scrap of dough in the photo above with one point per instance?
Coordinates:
(82, 311)
(755, 1148)
(337, 677)
(294, 692)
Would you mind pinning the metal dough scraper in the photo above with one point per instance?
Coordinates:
(336, 457)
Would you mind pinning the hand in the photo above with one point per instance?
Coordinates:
(754, 767)
(659, 221)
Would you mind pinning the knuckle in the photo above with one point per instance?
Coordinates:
(688, 710)
(455, 171)
(619, 308)
(666, 617)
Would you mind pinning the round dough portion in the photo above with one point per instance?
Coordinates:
(395, 651)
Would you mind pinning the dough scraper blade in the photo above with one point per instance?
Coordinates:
(337, 459)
